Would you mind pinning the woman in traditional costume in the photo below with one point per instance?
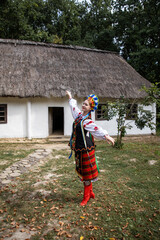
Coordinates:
(83, 145)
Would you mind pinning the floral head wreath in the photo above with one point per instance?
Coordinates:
(94, 101)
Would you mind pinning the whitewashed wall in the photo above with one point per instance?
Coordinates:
(40, 128)
(16, 118)
(18, 121)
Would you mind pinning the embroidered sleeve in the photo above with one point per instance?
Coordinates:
(96, 131)
(74, 109)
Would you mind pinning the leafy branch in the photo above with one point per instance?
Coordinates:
(123, 109)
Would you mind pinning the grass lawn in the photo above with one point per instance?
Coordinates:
(9, 154)
(44, 203)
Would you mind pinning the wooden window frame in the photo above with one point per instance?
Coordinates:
(5, 114)
(132, 114)
(102, 118)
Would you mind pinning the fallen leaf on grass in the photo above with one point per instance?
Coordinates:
(68, 235)
(95, 228)
(81, 238)
(97, 208)
(33, 229)
(91, 227)
(61, 223)
(39, 227)
(150, 232)
(54, 207)
(13, 223)
(138, 235)
(68, 226)
(108, 209)
(13, 191)
(3, 229)
(60, 233)
(57, 230)
(125, 226)
(26, 219)
(49, 200)
(82, 217)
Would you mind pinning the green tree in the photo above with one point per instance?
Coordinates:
(137, 25)
(79, 23)
(97, 25)
(153, 96)
(61, 19)
(23, 20)
(8, 19)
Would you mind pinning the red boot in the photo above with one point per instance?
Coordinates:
(92, 195)
(86, 196)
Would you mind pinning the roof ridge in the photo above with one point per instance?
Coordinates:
(74, 47)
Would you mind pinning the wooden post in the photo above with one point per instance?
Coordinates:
(29, 135)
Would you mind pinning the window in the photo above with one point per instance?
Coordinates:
(101, 112)
(132, 110)
(3, 113)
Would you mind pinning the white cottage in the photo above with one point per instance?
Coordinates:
(34, 77)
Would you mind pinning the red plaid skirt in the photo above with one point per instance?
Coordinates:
(86, 167)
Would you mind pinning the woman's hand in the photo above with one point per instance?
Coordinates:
(109, 139)
(69, 94)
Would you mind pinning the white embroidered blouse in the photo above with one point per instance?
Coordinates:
(88, 124)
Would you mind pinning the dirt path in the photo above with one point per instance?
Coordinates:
(63, 142)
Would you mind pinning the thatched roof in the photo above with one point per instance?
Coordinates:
(31, 69)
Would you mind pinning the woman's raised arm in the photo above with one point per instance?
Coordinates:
(73, 105)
